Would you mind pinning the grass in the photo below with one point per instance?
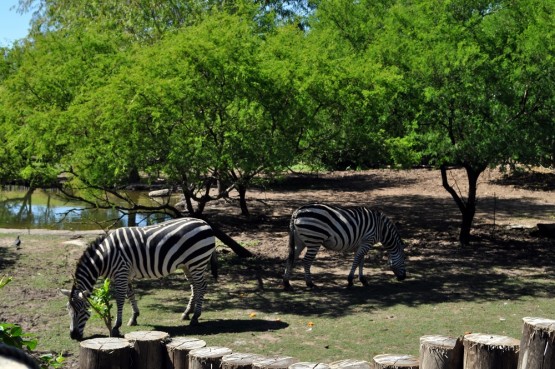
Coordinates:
(449, 292)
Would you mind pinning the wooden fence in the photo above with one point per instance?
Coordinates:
(154, 349)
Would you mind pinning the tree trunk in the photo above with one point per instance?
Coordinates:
(488, 351)
(441, 352)
(468, 207)
(149, 348)
(536, 344)
(178, 351)
(228, 241)
(105, 353)
(243, 199)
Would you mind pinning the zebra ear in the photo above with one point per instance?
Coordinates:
(65, 292)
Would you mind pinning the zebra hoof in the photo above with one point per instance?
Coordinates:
(287, 286)
(115, 333)
(132, 322)
(185, 316)
(194, 322)
(364, 281)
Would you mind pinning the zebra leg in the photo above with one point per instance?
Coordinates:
(358, 262)
(134, 307)
(361, 276)
(121, 291)
(198, 288)
(308, 259)
(187, 312)
(295, 249)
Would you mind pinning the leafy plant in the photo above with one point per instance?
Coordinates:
(51, 361)
(101, 304)
(12, 335)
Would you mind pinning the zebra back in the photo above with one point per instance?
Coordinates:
(147, 252)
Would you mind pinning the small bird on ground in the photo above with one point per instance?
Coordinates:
(17, 243)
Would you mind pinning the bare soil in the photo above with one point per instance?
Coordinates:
(426, 215)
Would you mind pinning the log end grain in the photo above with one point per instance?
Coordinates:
(492, 341)
(547, 325)
(209, 352)
(392, 361)
(239, 360)
(147, 336)
(309, 365)
(274, 362)
(350, 364)
(185, 343)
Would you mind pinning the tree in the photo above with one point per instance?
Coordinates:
(481, 74)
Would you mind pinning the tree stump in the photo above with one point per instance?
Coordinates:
(207, 357)
(536, 344)
(178, 350)
(388, 361)
(274, 362)
(441, 352)
(350, 364)
(308, 365)
(488, 351)
(105, 353)
(149, 348)
(239, 360)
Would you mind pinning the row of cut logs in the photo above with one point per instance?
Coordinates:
(154, 349)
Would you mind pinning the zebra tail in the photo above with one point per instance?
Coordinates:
(214, 265)
(291, 257)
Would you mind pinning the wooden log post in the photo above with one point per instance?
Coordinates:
(389, 361)
(441, 352)
(309, 365)
(488, 351)
(274, 362)
(178, 350)
(238, 360)
(537, 344)
(105, 353)
(209, 357)
(350, 364)
(149, 348)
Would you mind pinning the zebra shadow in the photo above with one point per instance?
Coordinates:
(218, 326)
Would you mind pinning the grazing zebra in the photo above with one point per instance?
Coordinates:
(142, 252)
(341, 229)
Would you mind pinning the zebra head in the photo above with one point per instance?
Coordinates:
(78, 309)
(397, 261)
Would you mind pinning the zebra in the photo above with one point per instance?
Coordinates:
(345, 230)
(142, 252)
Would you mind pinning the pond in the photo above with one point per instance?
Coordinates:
(50, 209)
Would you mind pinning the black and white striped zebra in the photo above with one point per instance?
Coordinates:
(142, 252)
(345, 230)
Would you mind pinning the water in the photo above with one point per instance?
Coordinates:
(50, 209)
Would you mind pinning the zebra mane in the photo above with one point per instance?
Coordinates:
(89, 251)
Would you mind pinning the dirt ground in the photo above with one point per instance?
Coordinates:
(509, 207)
(415, 199)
